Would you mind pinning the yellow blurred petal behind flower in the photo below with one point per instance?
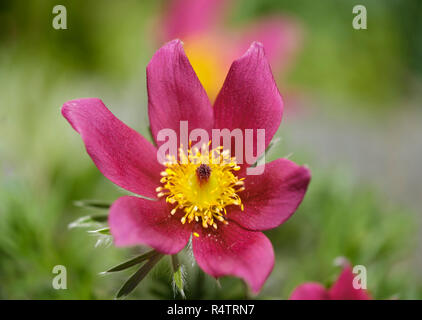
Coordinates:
(209, 61)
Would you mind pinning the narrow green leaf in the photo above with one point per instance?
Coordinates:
(132, 262)
(95, 204)
(268, 151)
(177, 274)
(92, 221)
(100, 218)
(105, 231)
(138, 276)
(103, 240)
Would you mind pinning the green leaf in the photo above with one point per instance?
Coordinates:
(138, 276)
(100, 218)
(103, 240)
(268, 151)
(92, 221)
(132, 262)
(177, 274)
(105, 231)
(274, 142)
(96, 222)
(93, 204)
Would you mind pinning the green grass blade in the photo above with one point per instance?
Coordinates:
(132, 262)
(138, 276)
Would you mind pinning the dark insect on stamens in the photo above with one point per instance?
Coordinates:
(203, 172)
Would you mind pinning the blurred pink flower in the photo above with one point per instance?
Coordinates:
(211, 46)
(342, 289)
(231, 210)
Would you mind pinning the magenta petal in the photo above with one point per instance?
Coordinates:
(310, 291)
(187, 18)
(136, 221)
(175, 93)
(271, 198)
(119, 152)
(249, 98)
(343, 289)
(232, 250)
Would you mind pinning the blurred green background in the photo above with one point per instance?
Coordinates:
(355, 120)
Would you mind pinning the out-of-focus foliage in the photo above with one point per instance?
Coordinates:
(377, 65)
(103, 53)
(337, 218)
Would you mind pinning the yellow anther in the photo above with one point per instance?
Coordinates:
(202, 197)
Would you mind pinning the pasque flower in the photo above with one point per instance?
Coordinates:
(211, 44)
(342, 289)
(218, 203)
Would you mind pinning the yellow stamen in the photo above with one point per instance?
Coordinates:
(202, 184)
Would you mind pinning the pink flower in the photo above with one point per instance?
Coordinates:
(223, 208)
(211, 45)
(342, 289)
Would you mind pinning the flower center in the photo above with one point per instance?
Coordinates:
(201, 184)
(203, 172)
